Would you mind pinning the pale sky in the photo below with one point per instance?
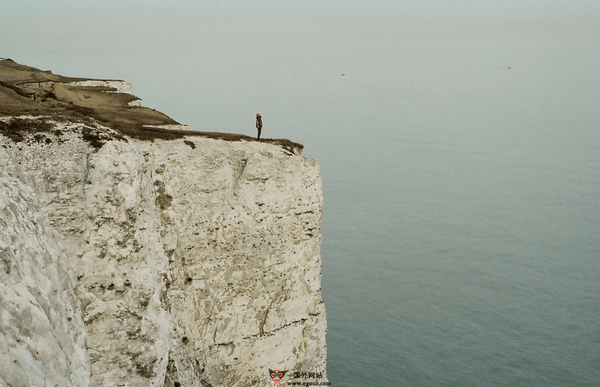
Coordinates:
(35, 25)
(43, 11)
(457, 9)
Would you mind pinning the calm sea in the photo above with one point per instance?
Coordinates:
(462, 188)
(462, 217)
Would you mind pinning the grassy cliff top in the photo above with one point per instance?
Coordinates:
(26, 90)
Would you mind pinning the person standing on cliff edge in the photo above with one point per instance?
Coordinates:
(258, 125)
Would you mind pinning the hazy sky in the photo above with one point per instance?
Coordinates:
(36, 23)
(456, 9)
(31, 26)
(123, 15)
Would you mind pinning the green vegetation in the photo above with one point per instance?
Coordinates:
(19, 129)
(42, 130)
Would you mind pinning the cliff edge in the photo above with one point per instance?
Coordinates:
(158, 257)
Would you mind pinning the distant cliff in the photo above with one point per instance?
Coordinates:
(155, 257)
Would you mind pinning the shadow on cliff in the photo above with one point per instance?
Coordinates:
(25, 90)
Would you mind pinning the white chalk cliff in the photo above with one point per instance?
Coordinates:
(185, 262)
(42, 336)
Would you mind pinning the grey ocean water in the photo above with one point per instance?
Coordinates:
(462, 220)
(462, 198)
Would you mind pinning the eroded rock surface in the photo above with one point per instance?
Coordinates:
(241, 228)
(198, 259)
(42, 335)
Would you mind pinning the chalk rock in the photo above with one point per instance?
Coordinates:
(102, 203)
(241, 228)
(120, 86)
(198, 259)
(42, 335)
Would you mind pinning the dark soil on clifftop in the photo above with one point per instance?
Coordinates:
(27, 91)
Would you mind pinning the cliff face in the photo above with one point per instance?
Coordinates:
(42, 335)
(197, 259)
(241, 230)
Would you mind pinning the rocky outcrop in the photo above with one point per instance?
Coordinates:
(197, 259)
(119, 86)
(42, 335)
(241, 229)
